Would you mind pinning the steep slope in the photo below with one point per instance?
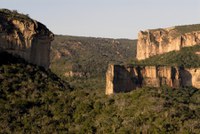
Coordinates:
(174, 69)
(20, 35)
(87, 56)
(186, 57)
(160, 41)
(29, 96)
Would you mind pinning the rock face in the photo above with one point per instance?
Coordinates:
(120, 78)
(27, 38)
(191, 77)
(155, 42)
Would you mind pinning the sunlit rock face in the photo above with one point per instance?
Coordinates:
(27, 38)
(124, 78)
(155, 42)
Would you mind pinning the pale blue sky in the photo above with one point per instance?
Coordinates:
(107, 18)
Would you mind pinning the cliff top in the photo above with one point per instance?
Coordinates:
(7, 18)
(177, 30)
(14, 15)
(187, 28)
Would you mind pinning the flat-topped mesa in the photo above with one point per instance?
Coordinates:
(124, 78)
(27, 38)
(159, 41)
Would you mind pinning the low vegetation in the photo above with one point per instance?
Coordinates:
(146, 110)
(14, 15)
(187, 57)
(37, 101)
(188, 28)
(177, 31)
(89, 56)
(83, 111)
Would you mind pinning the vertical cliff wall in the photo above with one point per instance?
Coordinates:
(27, 38)
(120, 78)
(155, 42)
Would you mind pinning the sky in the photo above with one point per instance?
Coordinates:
(107, 18)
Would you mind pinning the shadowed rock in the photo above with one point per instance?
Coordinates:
(123, 78)
(27, 38)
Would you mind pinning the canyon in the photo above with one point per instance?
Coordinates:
(124, 78)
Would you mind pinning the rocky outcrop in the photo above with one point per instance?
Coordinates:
(27, 38)
(120, 78)
(123, 78)
(191, 77)
(155, 42)
(76, 74)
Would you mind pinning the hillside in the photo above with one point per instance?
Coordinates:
(28, 94)
(87, 56)
(187, 57)
(34, 100)
(42, 107)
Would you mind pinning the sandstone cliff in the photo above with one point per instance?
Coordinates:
(159, 41)
(27, 38)
(121, 78)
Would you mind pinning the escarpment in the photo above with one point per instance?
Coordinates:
(124, 78)
(27, 38)
(181, 71)
(160, 41)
